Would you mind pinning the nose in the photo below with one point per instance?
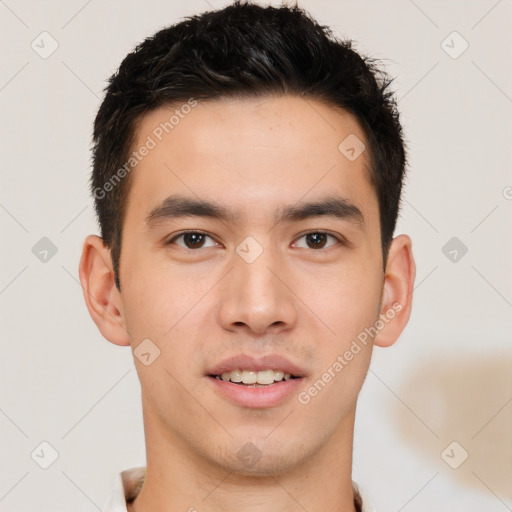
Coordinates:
(257, 296)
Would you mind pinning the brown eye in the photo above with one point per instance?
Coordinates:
(317, 240)
(191, 240)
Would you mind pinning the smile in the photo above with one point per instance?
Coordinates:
(254, 378)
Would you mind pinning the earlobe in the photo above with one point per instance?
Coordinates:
(100, 293)
(396, 302)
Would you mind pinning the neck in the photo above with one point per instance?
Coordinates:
(179, 479)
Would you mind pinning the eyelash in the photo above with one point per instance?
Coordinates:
(338, 238)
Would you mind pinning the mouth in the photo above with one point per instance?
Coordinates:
(251, 378)
(256, 382)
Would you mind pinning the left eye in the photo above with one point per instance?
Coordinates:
(317, 240)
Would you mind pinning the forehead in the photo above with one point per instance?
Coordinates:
(253, 154)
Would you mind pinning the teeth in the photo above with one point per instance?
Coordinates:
(235, 376)
(250, 377)
(265, 377)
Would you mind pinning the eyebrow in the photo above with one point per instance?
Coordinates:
(178, 206)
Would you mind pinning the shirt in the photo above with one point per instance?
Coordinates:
(128, 483)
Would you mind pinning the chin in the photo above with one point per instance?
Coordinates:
(266, 466)
(264, 458)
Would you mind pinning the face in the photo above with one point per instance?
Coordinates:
(256, 273)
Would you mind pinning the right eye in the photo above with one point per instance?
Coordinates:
(191, 240)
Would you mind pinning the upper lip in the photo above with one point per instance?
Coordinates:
(247, 362)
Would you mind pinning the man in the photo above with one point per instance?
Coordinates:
(247, 176)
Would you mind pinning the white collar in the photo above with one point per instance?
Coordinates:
(127, 482)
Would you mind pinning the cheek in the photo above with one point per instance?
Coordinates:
(345, 299)
(347, 305)
(159, 309)
(156, 296)
(168, 308)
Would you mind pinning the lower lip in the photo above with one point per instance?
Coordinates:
(257, 397)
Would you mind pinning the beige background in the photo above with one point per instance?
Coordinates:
(449, 377)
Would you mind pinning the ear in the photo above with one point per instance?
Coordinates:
(396, 300)
(101, 295)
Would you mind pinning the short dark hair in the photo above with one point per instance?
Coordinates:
(243, 50)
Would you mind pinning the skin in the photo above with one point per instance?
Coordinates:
(201, 305)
